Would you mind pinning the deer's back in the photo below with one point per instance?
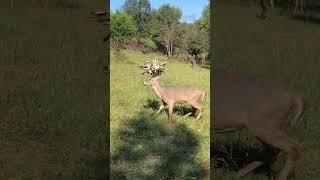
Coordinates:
(181, 93)
(242, 99)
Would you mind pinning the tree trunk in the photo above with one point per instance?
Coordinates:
(193, 61)
(296, 7)
(167, 44)
(301, 5)
(263, 6)
(204, 59)
(171, 48)
(271, 4)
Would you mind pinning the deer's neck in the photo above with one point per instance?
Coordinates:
(157, 90)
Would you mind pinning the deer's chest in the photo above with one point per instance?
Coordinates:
(158, 93)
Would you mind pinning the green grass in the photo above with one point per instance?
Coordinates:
(53, 95)
(145, 147)
(284, 49)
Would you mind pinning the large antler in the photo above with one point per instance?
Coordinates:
(153, 68)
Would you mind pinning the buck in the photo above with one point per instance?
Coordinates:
(170, 95)
(262, 106)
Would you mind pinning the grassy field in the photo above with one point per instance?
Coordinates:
(284, 49)
(53, 94)
(145, 147)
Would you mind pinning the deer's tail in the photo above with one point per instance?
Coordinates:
(203, 95)
(298, 107)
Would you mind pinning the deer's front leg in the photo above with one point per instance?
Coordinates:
(170, 111)
(159, 110)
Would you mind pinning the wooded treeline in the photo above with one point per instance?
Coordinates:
(139, 26)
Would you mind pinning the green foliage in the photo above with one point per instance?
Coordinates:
(168, 16)
(195, 48)
(161, 28)
(122, 28)
(164, 23)
(140, 11)
(199, 43)
(198, 39)
(204, 21)
(148, 43)
(193, 38)
(184, 35)
(165, 19)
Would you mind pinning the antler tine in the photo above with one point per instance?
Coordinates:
(153, 68)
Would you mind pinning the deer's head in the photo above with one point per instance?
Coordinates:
(154, 69)
(153, 81)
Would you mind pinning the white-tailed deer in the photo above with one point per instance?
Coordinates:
(262, 107)
(170, 95)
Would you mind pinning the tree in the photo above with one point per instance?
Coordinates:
(183, 36)
(197, 43)
(200, 42)
(204, 21)
(163, 26)
(140, 11)
(199, 38)
(122, 28)
(204, 27)
(196, 48)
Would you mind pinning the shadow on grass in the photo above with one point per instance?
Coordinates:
(180, 109)
(235, 155)
(149, 149)
(152, 104)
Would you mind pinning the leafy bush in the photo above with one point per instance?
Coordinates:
(196, 48)
(122, 28)
(148, 43)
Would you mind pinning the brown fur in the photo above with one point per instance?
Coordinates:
(170, 95)
(262, 107)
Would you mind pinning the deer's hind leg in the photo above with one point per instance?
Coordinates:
(189, 113)
(268, 155)
(198, 106)
(280, 140)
